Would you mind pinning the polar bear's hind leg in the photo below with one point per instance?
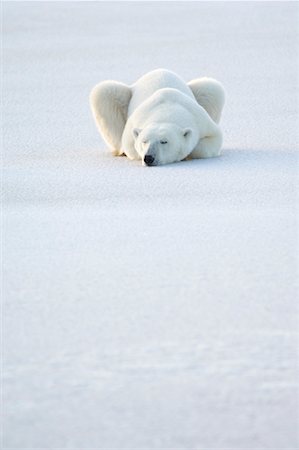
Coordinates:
(209, 94)
(109, 102)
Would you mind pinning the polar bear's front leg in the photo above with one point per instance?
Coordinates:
(109, 102)
(208, 147)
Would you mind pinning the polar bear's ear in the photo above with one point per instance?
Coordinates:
(187, 132)
(136, 132)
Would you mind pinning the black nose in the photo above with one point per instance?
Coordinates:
(149, 160)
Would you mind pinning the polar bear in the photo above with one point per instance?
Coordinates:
(160, 119)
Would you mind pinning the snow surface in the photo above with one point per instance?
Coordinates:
(149, 307)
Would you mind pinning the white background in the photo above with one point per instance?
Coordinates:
(149, 307)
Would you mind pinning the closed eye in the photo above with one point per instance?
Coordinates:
(163, 141)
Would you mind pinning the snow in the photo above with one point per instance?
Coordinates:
(149, 307)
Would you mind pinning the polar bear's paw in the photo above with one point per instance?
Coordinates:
(208, 147)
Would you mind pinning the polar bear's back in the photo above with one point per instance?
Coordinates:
(153, 81)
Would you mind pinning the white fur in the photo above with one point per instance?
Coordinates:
(109, 102)
(160, 117)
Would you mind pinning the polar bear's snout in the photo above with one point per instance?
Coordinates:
(149, 160)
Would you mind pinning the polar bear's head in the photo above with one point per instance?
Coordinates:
(164, 143)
